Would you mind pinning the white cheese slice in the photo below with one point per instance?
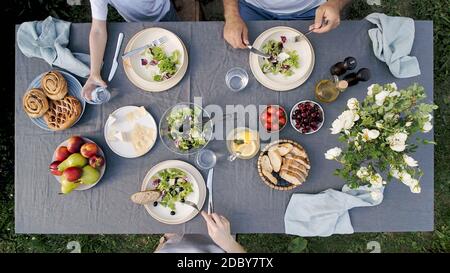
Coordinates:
(282, 56)
(136, 114)
(171, 181)
(141, 137)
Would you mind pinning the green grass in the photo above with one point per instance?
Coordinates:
(437, 241)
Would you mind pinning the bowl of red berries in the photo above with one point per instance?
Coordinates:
(273, 118)
(307, 117)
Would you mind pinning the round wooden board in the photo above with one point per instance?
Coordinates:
(284, 186)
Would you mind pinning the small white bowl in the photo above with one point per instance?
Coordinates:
(293, 122)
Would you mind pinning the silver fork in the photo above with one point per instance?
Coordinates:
(191, 204)
(154, 43)
(298, 38)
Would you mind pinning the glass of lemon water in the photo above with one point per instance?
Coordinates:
(242, 143)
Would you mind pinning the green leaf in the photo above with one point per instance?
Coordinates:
(297, 245)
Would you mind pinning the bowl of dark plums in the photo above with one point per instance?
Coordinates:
(307, 117)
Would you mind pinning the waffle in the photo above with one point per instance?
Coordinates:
(35, 103)
(54, 85)
(62, 114)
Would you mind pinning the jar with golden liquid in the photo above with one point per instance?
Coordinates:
(327, 90)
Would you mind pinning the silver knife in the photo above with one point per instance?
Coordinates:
(257, 52)
(210, 192)
(115, 64)
(135, 51)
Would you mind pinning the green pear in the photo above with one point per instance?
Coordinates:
(90, 175)
(74, 160)
(67, 186)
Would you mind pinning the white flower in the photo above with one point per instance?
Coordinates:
(408, 123)
(427, 127)
(379, 124)
(376, 194)
(352, 104)
(410, 161)
(333, 153)
(370, 90)
(430, 117)
(345, 121)
(376, 180)
(415, 187)
(394, 94)
(380, 97)
(397, 141)
(369, 134)
(337, 126)
(393, 86)
(362, 172)
(395, 173)
(406, 178)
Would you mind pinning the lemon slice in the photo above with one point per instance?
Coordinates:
(246, 150)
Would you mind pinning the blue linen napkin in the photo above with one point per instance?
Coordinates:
(48, 40)
(326, 213)
(392, 42)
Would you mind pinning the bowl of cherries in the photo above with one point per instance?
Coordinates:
(273, 118)
(307, 117)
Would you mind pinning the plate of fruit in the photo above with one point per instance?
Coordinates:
(307, 117)
(273, 118)
(78, 164)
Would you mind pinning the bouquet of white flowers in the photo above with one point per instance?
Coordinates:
(376, 132)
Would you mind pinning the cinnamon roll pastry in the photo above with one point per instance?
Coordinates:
(62, 114)
(54, 85)
(35, 103)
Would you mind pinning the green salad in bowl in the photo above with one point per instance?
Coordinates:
(167, 64)
(183, 130)
(281, 60)
(174, 187)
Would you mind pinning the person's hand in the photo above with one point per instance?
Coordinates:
(92, 82)
(219, 229)
(330, 12)
(235, 32)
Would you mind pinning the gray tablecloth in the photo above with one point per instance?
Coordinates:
(240, 195)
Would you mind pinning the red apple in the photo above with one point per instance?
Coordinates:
(88, 150)
(72, 173)
(96, 161)
(74, 144)
(54, 168)
(62, 153)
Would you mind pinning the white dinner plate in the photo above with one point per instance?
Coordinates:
(280, 82)
(141, 76)
(184, 212)
(122, 148)
(102, 170)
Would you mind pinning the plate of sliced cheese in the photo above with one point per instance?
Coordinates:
(283, 165)
(130, 131)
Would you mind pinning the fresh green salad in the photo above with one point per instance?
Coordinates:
(281, 60)
(174, 187)
(185, 127)
(167, 65)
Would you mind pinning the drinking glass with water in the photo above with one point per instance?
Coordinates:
(206, 159)
(99, 95)
(236, 79)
